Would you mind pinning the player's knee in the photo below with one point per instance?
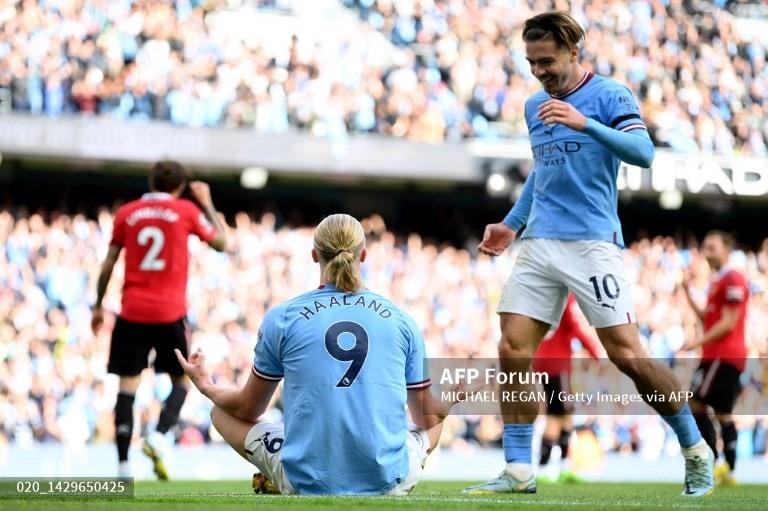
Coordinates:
(216, 417)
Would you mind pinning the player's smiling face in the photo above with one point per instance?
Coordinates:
(551, 65)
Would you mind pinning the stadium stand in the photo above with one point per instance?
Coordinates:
(434, 71)
(427, 70)
(53, 381)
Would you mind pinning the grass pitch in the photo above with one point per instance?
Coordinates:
(428, 496)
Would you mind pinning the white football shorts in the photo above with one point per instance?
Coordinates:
(264, 442)
(546, 269)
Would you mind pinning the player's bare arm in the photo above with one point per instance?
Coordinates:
(246, 403)
(687, 279)
(101, 287)
(428, 413)
(202, 194)
(725, 325)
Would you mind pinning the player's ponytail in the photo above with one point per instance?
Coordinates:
(339, 241)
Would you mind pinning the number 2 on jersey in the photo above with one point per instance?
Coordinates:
(356, 354)
(155, 236)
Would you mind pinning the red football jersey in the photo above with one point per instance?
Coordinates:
(154, 231)
(553, 355)
(729, 289)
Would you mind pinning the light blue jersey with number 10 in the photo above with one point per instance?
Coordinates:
(348, 360)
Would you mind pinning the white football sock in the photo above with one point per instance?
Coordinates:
(158, 441)
(124, 469)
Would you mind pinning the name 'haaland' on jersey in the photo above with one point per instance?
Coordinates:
(346, 301)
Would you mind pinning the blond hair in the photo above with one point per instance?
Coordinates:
(339, 241)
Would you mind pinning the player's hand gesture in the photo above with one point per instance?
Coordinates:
(195, 369)
(687, 280)
(496, 239)
(201, 192)
(690, 345)
(555, 111)
(97, 319)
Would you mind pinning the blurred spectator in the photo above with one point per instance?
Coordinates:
(53, 380)
(452, 70)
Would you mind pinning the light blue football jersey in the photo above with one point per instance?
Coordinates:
(572, 193)
(347, 360)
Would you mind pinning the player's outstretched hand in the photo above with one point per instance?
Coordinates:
(195, 369)
(201, 192)
(496, 239)
(560, 112)
(97, 319)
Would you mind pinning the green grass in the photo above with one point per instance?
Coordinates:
(428, 496)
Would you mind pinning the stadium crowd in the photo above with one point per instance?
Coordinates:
(449, 70)
(53, 381)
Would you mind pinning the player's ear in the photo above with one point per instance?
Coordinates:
(363, 255)
(574, 53)
(315, 256)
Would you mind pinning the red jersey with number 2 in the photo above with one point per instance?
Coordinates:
(154, 231)
(730, 289)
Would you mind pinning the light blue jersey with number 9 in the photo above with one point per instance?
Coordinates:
(348, 360)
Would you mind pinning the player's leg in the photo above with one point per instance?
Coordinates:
(548, 470)
(166, 361)
(166, 338)
(260, 444)
(558, 429)
(566, 474)
(531, 302)
(594, 272)
(555, 409)
(127, 358)
(550, 437)
(623, 347)
(622, 344)
(169, 415)
(726, 389)
(124, 421)
(702, 387)
(730, 438)
(419, 444)
(520, 336)
(705, 424)
(232, 429)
